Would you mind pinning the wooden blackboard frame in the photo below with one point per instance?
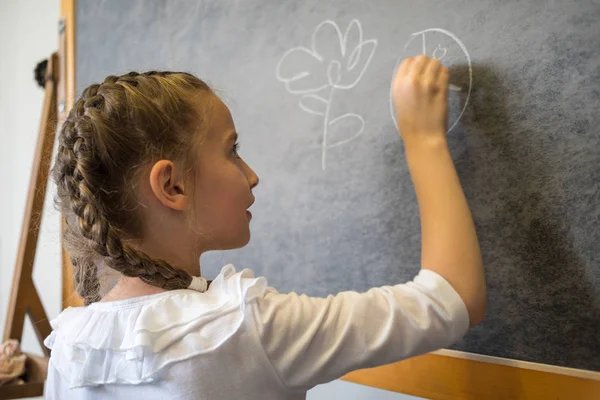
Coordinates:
(67, 65)
(444, 374)
(449, 374)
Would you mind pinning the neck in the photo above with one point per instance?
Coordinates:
(178, 253)
(174, 249)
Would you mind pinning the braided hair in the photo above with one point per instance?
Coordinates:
(113, 130)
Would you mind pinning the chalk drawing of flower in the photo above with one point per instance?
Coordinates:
(335, 61)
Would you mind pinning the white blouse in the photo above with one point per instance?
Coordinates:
(243, 340)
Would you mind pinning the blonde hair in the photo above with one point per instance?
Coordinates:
(114, 130)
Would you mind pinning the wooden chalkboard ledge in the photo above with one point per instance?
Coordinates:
(448, 374)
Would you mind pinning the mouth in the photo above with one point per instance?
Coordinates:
(248, 213)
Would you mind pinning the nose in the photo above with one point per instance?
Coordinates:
(250, 175)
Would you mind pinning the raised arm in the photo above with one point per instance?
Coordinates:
(449, 241)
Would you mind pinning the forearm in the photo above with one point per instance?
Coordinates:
(449, 240)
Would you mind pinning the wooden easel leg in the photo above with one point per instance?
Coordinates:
(24, 298)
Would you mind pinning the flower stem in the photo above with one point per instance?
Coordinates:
(325, 127)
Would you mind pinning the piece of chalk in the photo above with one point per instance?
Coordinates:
(454, 87)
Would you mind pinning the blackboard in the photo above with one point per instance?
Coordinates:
(525, 137)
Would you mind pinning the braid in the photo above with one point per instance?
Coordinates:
(86, 277)
(82, 179)
(72, 147)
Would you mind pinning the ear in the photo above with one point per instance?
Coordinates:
(167, 185)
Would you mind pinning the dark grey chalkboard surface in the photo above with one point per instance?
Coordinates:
(343, 215)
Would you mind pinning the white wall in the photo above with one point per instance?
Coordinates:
(352, 391)
(28, 34)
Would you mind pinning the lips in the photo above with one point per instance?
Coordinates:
(248, 213)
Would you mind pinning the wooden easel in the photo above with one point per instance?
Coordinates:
(24, 297)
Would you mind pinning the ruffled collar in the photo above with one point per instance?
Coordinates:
(129, 341)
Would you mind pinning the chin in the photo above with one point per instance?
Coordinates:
(243, 242)
(237, 242)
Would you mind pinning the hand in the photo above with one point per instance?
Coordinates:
(420, 95)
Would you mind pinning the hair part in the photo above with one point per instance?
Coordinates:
(115, 130)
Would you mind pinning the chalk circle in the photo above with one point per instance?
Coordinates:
(421, 38)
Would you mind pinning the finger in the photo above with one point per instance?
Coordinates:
(433, 69)
(418, 65)
(405, 66)
(443, 76)
(442, 81)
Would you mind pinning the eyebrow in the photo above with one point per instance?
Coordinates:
(232, 136)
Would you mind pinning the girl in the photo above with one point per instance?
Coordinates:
(149, 178)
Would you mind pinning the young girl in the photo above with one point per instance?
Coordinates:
(149, 178)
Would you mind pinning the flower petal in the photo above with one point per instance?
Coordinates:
(352, 38)
(327, 41)
(366, 50)
(354, 58)
(301, 70)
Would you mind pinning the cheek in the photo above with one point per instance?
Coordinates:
(221, 199)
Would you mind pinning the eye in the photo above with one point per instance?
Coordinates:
(236, 149)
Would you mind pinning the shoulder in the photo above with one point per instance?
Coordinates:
(144, 330)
